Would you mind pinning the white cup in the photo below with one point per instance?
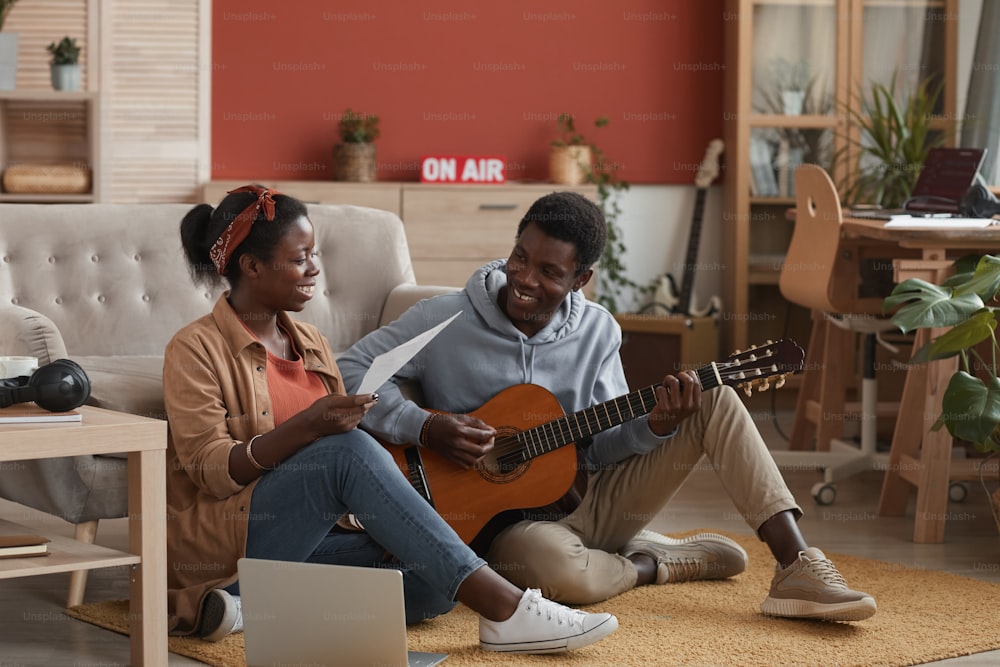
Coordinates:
(12, 367)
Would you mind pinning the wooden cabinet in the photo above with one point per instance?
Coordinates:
(385, 196)
(451, 229)
(794, 69)
(454, 229)
(47, 127)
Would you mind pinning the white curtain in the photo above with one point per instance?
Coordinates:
(981, 124)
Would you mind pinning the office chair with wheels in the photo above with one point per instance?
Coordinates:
(822, 273)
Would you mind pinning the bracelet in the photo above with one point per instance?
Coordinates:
(422, 440)
(252, 460)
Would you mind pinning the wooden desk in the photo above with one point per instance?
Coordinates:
(921, 458)
(107, 432)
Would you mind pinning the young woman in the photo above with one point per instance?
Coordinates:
(264, 457)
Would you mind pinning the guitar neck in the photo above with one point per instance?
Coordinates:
(694, 237)
(552, 435)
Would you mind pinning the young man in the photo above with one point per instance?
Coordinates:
(525, 320)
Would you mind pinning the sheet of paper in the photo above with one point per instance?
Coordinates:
(385, 365)
(907, 222)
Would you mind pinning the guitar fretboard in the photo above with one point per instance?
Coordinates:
(691, 260)
(549, 436)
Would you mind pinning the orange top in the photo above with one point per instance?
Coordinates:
(292, 388)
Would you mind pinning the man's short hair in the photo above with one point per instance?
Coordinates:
(569, 216)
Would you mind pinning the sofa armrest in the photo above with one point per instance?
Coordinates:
(404, 296)
(26, 332)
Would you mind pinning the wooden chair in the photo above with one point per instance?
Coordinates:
(822, 273)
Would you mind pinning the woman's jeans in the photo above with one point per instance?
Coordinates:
(295, 507)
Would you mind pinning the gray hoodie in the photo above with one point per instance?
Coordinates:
(481, 353)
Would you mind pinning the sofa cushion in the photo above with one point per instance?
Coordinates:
(26, 332)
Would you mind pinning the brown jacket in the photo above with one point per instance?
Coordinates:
(215, 392)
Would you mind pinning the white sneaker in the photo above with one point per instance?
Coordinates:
(543, 626)
(221, 615)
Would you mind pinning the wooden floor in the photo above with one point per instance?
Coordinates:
(34, 631)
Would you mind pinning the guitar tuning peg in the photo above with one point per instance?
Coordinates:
(737, 352)
(747, 389)
(763, 386)
(780, 382)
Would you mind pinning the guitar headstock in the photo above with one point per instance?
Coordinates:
(709, 168)
(757, 366)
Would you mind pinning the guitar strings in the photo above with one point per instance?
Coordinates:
(523, 445)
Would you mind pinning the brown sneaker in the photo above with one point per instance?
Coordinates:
(704, 556)
(811, 587)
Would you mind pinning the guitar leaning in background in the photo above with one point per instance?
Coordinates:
(667, 296)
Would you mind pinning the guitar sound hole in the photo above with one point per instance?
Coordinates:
(505, 463)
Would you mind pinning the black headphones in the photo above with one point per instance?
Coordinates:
(58, 387)
(979, 202)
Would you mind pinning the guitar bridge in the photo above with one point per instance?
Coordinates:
(415, 473)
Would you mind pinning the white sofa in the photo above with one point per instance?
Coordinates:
(107, 285)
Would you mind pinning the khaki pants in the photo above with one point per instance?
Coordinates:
(575, 560)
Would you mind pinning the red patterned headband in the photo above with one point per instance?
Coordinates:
(239, 228)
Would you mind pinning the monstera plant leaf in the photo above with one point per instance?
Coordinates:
(981, 277)
(970, 408)
(925, 305)
(960, 337)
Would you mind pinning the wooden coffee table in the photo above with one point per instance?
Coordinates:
(145, 441)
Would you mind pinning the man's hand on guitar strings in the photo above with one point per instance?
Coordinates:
(462, 439)
(677, 398)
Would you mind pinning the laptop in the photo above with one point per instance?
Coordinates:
(946, 176)
(316, 614)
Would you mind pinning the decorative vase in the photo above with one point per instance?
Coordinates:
(569, 165)
(792, 102)
(354, 162)
(8, 60)
(66, 77)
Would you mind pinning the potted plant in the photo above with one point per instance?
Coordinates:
(965, 307)
(794, 83)
(895, 139)
(354, 156)
(65, 64)
(8, 49)
(571, 157)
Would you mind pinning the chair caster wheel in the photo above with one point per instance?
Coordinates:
(823, 493)
(958, 492)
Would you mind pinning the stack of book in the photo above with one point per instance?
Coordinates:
(31, 413)
(23, 546)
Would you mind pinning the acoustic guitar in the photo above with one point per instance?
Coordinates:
(530, 467)
(666, 294)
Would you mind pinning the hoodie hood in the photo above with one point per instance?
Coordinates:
(483, 289)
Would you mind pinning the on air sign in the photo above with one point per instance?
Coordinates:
(463, 169)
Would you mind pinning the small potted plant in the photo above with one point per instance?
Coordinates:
(65, 64)
(354, 156)
(794, 83)
(571, 157)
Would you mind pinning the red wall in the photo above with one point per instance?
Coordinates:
(447, 77)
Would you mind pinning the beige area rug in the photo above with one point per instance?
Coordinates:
(923, 615)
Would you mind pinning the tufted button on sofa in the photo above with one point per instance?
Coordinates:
(107, 286)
